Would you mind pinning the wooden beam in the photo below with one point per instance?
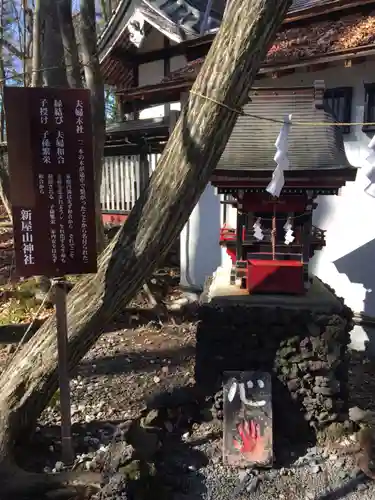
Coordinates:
(319, 66)
(348, 63)
(132, 149)
(281, 73)
(166, 70)
(136, 84)
(170, 91)
(128, 56)
(325, 9)
(365, 51)
(203, 43)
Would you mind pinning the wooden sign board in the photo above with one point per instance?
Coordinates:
(248, 437)
(52, 190)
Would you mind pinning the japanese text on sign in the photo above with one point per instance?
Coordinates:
(27, 237)
(82, 181)
(55, 227)
(79, 117)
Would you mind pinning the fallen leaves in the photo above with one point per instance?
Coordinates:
(318, 39)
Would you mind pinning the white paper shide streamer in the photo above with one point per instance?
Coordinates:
(289, 233)
(369, 170)
(281, 159)
(258, 231)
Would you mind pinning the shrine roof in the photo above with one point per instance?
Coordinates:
(252, 143)
(352, 33)
(296, 43)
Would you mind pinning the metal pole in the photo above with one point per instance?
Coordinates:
(64, 383)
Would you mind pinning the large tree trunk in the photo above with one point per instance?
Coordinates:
(158, 217)
(53, 57)
(94, 82)
(73, 67)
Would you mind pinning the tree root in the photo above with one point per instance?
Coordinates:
(17, 483)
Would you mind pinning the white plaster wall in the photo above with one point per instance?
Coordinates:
(199, 257)
(150, 74)
(347, 263)
(153, 72)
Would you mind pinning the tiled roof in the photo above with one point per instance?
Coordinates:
(319, 39)
(251, 145)
(307, 4)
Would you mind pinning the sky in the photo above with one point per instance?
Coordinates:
(13, 31)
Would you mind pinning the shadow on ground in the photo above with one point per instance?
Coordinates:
(362, 380)
(135, 361)
(169, 472)
(343, 490)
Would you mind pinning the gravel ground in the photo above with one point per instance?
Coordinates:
(128, 365)
(124, 367)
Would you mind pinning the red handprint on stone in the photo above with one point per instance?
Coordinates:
(249, 433)
(251, 443)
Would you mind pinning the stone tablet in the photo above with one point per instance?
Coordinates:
(248, 437)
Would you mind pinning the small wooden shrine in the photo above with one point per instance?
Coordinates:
(274, 238)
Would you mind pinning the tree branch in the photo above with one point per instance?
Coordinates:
(103, 8)
(12, 49)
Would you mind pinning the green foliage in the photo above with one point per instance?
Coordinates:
(19, 303)
(55, 400)
(110, 106)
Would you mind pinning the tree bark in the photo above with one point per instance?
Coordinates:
(36, 75)
(73, 67)
(4, 185)
(94, 82)
(158, 217)
(4, 174)
(53, 57)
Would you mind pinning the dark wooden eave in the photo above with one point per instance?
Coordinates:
(325, 8)
(200, 45)
(150, 95)
(293, 178)
(133, 136)
(115, 27)
(170, 91)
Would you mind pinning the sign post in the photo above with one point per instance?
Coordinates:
(50, 153)
(64, 383)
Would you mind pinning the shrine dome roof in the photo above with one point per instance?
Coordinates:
(314, 144)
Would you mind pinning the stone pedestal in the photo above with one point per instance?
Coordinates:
(301, 340)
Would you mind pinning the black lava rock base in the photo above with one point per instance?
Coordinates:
(306, 351)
